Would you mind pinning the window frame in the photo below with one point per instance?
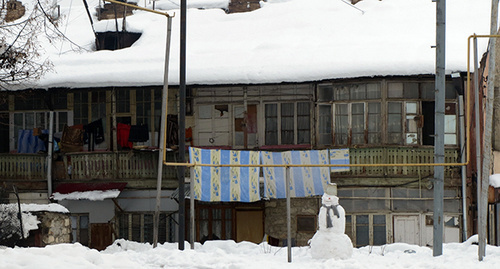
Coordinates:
(351, 227)
(279, 122)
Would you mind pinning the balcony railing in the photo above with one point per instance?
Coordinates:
(23, 166)
(136, 165)
(384, 155)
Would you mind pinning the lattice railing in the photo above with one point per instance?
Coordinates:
(398, 155)
(23, 166)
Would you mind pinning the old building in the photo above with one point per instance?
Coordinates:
(254, 83)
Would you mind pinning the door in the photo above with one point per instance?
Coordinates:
(406, 230)
(249, 226)
(101, 235)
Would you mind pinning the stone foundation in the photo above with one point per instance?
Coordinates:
(54, 228)
(275, 218)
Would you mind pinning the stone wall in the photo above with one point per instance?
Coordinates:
(275, 218)
(55, 228)
(15, 10)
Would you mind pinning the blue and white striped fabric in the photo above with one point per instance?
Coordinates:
(225, 184)
(339, 156)
(305, 181)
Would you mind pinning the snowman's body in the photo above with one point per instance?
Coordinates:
(331, 213)
(330, 241)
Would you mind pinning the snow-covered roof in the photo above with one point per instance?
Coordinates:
(39, 207)
(283, 41)
(87, 195)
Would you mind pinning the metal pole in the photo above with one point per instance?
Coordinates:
(439, 127)
(162, 132)
(191, 206)
(50, 151)
(182, 123)
(488, 133)
(288, 216)
(463, 168)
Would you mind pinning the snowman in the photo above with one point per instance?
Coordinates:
(330, 241)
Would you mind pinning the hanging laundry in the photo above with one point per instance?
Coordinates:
(72, 139)
(123, 133)
(28, 143)
(304, 181)
(94, 130)
(139, 133)
(225, 184)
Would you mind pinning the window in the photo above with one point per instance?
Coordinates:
(98, 106)
(139, 227)
(122, 100)
(367, 229)
(394, 124)
(306, 223)
(30, 120)
(80, 231)
(81, 107)
(354, 123)
(288, 123)
(214, 223)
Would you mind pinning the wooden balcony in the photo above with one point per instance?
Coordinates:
(139, 168)
(394, 175)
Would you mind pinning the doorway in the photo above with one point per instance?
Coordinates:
(407, 229)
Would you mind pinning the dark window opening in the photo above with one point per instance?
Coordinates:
(428, 127)
(116, 40)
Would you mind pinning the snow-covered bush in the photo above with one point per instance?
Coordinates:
(10, 226)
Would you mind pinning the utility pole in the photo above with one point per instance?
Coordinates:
(439, 128)
(182, 124)
(488, 123)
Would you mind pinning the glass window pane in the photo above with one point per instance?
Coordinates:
(372, 91)
(379, 235)
(325, 125)
(450, 139)
(428, 90)
(325, 93)
(378, 219)
(395, 90)
(450, 92)
(271, 114)
(358, 92)
(410, 90)
(303, 123)
(450, 124)
(148, 228)
(136, 227)
(341, 93)
(362, 230)
(411, 107)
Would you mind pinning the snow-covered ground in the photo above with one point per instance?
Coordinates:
(231, 255)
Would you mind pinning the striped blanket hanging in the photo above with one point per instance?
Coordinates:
(305, 181)
(339, 156)
(225, 184)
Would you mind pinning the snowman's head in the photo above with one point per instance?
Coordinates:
(329, 200)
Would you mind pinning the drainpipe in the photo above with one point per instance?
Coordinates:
(463, 168)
